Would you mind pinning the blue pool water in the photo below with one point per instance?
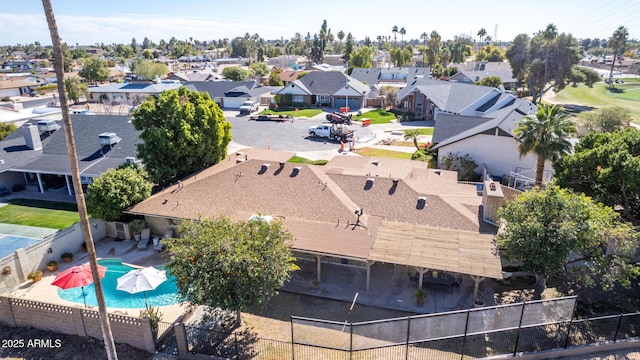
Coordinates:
(10, 243)
(165, 294)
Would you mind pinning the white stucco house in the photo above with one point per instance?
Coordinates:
(489, 140)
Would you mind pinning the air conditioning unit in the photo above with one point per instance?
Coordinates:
(130, 160)
(109, 139)
(48, 126)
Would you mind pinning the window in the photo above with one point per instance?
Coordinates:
(297, 98)
(323, 99)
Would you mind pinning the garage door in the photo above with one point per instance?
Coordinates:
(9, 92)
(354, 103)
(233, 102)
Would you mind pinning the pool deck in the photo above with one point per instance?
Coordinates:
(106, 248)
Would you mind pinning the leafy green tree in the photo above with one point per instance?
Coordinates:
(361, 58)
(544, 62)
(221, 264)
(583, 75)
(490, 53)
(78, 53)
(546, 135)
(75, 88)
(348, 48)
(94, 69)
(617, 42)
(434, 45)
(116, 190)
(236, 73)
(389, 93)
(148, 70)
(183, 131)
(6, 128)
(492, 81)
(608, 119)
(147, 54)
(259, 69)
(400, 56)
(274, 77)
(550, 229)
(606, 166)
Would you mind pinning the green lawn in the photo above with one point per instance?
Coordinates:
(43, 214)
(301, 160)
(383, 153)
(379, 116)
(625, 95)
(301, 113)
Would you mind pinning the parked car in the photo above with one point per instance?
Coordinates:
(249, 107)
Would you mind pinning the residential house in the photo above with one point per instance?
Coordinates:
(185, 76)
(360, 211)
(331, 88)
(231, 94)
(130, 93)
(489, 140)
(287, 61)
(16, 87)
(393, 76)
(289, 76)
(427, 98)
(471, 77)
(35, 155)
(18, 65)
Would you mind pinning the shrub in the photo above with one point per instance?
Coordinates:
(6, 99)
(154, 315)
(6, 129)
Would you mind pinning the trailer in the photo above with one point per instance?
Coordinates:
(281, 118)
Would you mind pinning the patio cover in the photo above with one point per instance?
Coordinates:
(451, 250)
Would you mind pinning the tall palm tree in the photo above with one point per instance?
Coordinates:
(424, 36)
(394, 30)
(481, 34)
(75, 176)
(403, 32)
(545, 134)
(617, 42)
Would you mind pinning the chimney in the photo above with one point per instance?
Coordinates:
(32, 137)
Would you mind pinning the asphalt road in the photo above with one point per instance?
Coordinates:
(289, 136)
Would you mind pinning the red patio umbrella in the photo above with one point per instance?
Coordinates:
(75, 276)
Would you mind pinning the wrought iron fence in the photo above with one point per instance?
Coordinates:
(467, 334)
(166, 339)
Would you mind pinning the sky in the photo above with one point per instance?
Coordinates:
(117, 21)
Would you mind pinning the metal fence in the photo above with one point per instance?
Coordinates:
(467, 334)
(166, 339)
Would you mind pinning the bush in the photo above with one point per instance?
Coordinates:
(6, 99)
(6, 129)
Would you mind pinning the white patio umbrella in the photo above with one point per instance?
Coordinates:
(141, 280)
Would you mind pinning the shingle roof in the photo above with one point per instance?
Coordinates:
(329, 82)
(506, 119)
(134, 88)
(218, 89)
(447, 95)
(93, 159)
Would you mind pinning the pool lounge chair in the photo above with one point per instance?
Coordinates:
(145, 237)
(161, 245)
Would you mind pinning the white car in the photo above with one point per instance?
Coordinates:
(249, 107)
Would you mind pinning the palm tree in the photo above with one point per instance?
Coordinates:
(617, 42)
(546, 134)
(394, 30)
(403, 32)
(75, 176)
(549, 34)
(413, 136)
(481, 34)
(424, 36)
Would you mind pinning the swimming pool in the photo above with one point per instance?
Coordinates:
(165, 294)
(10, 243)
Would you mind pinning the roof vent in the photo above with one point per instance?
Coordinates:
(369, 184)
(422, 202)
(263, 169)
(109, 139)
(295, 171)
(48, 126)
(375, 162)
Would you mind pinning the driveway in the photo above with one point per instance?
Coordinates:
(288, 136)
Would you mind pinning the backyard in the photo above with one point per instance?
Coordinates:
(46, 214)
